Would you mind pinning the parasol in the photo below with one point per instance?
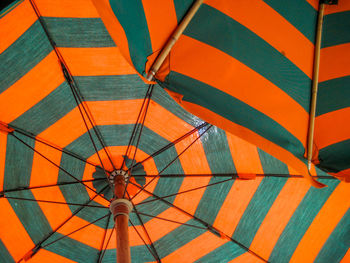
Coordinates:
(69, 104)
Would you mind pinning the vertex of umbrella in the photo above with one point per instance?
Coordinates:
(221, 200)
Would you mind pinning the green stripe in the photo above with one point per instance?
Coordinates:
(258, 207)
(333, 95)
(181, 7)
(271, 165)
(239, 42)
(234, 110)
(299, 13)
(336, 29)
(138, 254)
(78, 32)
(222, 254)
(131, 16)
(300, 221)
(23, 55)
(337, 243)
(336, 157)
(48, 111)
(5, 255)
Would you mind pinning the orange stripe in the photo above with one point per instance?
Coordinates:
(235, 204)
(96, 61)
(31, 88)
(66, 8)
(268, 24)
(254, 138)
(246, 258)
(245, 155)
(276, 103)
(48, 256)
(342, 6)
(340, 127)
(323, 225)
(3, 142)
(278, 216)
(334, 62)
(314, 3)
(343, 175)
(346, 258)
(196, 248)
(11, 29)
(13, 232)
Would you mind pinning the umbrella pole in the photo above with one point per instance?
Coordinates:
(121, 208)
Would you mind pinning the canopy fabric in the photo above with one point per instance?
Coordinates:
(226, 199)
(245, 66)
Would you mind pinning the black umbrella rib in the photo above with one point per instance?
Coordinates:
(104, 236)
(59, 167)
(104, 250)
(208, 226)
(144, 242)
(39, 245)
(52, 202)
(171, 144)
(70, 80)
(139, 137)
(172, 221)
(155, 254)
(183, 192)
(2, 193)
(143, 187)
(71, 233)
(51, 145)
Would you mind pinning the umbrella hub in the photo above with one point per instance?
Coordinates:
(116, 173)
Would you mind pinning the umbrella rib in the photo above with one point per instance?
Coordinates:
(53, 202)
(171, 221)
(143, 187)
(135, 126)
(2, 193)
(71, 233)
(51, 145)
(144, 242)
(38, 246)
(69, 78)
(104, 250)
(212, 229)
(183, 192)
(104, 236)
(59, 167)
(171, 144)
(157, 258)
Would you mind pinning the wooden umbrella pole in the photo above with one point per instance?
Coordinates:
(121, 208)
(315, 85)
(172, 40)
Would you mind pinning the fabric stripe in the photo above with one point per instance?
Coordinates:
(336, 29)
(78, 32)
(139, 44)
(251, 50)
(10, 30)
(323, 225)
(181, 7)
(271, 165)
(25, 53)
(223, 253)
(3, 141)
(335, 157)
(300, 222)
(333, 95)
(5, 256)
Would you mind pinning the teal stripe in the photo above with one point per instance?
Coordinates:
(181, 8)
(336, 29)
(336, 157)
(131, 16)
(48, 111)
(258, 207)
(78, 32)
(177, 238)
(227, 35)
(223, 254)
(300, 221)
(299, 13)
(23, 55)
(271, 165)
(333, 95)
(337, 243)
(234, 110)
(5, 255)
(138, 254)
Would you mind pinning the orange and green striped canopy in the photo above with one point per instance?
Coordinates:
(69, 105)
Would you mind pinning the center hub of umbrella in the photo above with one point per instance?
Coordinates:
(116, 173)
